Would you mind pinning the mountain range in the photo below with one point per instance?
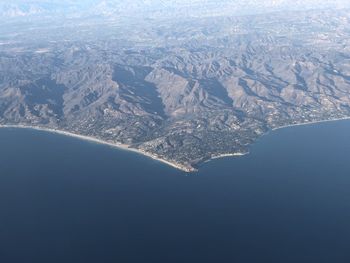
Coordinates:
(181, 90)
(165, 8)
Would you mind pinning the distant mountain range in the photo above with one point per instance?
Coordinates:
(166, 8)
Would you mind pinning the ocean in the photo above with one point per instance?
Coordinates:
(63, 199)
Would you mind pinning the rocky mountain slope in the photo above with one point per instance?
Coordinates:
(183, 91)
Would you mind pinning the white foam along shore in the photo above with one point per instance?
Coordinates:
(99, 141)
(126, 147)
(227, 155)
(310, 123)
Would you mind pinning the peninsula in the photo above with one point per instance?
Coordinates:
(180, 87)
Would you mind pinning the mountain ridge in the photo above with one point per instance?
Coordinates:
(184, 91)
(170, 8)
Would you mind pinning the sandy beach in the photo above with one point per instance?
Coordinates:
(310, 123)
(227, 155)
(124, 147)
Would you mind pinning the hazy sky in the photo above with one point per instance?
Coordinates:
(16, 8)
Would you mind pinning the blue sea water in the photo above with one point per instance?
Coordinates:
(67, 200)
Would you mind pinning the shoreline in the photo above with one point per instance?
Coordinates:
(119, 146)
(227, 155)
(309, 123)
(125, 147)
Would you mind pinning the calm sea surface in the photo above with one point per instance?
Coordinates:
(73, 201)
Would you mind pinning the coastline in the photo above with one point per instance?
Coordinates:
(310, 123)
(227, 155)
(119, 146)
(125, 147)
